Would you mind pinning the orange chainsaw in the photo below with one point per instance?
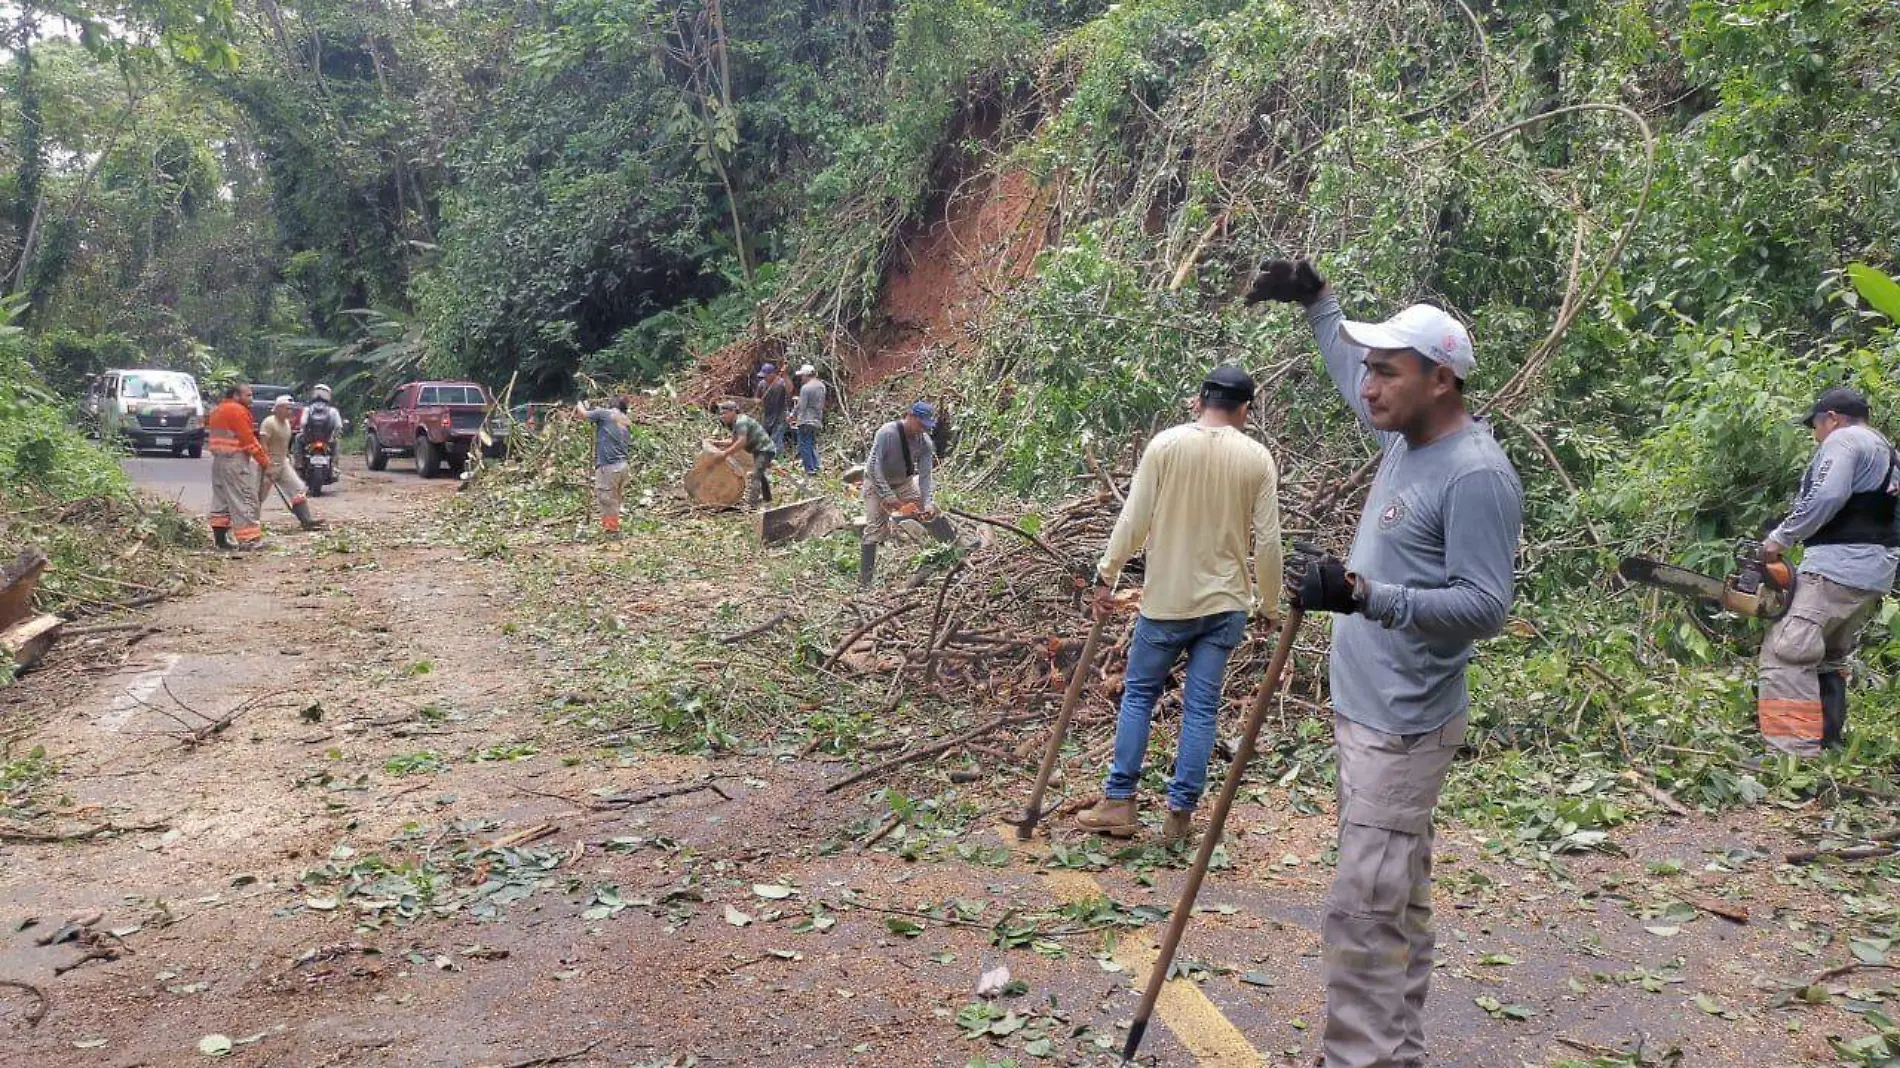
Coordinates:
(1757, 589)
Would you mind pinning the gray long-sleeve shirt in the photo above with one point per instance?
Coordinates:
(811, 404)
(885, 465)
(1436, 545)
(1853, 459)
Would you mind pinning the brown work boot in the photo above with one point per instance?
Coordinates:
(1179, 828)
(1115, 818)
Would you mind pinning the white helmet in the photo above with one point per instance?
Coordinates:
(322, 392)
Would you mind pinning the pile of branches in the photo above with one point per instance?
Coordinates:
(1003, 627)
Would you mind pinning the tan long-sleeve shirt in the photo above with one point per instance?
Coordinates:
(1200, 494)
(275, 433)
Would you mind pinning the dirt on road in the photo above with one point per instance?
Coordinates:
(339, 810)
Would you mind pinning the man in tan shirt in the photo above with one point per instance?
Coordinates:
(275, 433)
(1201, 492)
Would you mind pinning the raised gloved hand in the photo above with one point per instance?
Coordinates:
(1286, 280)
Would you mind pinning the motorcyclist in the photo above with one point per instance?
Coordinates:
(321, 422)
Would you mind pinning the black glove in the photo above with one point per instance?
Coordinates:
(1325, 587)
(1286, 280)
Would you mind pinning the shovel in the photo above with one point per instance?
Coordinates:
(1217, 820)
(1071, 698)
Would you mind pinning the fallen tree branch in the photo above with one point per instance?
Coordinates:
(1012, 528)
(556, 1058)
(863, 629)
(754, 632)
(933, 749)
(22, 836)
(617, 803)
(39, 1011)
(1657, 794)
(1808, 856)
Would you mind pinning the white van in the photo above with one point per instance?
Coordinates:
(148, 409)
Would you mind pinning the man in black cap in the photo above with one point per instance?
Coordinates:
(1202, 492)
(1845, 516)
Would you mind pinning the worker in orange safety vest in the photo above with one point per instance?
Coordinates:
(235, 450)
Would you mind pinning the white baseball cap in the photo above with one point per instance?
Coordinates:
(284, 400)
(808, 369)
(1429, 331)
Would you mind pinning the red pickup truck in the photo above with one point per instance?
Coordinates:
(439, 423)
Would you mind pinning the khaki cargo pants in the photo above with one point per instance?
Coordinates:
(1804, 653)
(1376, 933)
(877, 521)
(610, 494)
(286, 478)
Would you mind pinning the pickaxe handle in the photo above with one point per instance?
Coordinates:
(1053, 752)
(1217, 821)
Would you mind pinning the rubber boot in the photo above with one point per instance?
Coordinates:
(1833, 708)
(867, 565)
(221, 537)
(302, 511)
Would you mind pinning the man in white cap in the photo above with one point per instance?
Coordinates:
(276, 434)
(1430, 574)
(808, 416)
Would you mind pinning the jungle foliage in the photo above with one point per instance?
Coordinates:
(1669, 223)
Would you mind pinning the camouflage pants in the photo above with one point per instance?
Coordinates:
(1801, 659)
(1376, 932)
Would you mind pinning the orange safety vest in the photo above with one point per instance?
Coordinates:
(229, 429)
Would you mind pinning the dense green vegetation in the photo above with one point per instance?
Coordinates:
(1648, 209)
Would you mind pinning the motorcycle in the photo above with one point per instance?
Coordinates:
(316, 466)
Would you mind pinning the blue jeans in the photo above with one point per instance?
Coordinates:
(1157, 644)
(808, 448)
(776, 431)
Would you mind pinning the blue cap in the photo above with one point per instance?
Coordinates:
(926, 414)
(767, 369)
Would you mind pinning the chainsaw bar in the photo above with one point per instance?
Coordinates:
(1773, 603)
(1672, 578)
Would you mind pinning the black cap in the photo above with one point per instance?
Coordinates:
(1839, 400)
(1229, 383)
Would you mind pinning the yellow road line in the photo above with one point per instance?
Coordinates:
(1187, 1013)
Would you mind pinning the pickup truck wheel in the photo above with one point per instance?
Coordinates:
(373, 454)
(195, 449)
(428, 457)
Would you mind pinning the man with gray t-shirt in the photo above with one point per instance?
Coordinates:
(612, 431)
(1845, 516)
(1430, 573)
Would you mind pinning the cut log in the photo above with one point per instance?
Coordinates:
(716, 482)
(18, 580)
(27, 643)
(803, 520)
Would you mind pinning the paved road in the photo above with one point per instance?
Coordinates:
(185, 481)
(361, 493)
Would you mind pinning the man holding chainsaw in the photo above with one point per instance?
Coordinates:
(1202, 492)
(897, 481)
(1430, 573)
(1845, 516)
